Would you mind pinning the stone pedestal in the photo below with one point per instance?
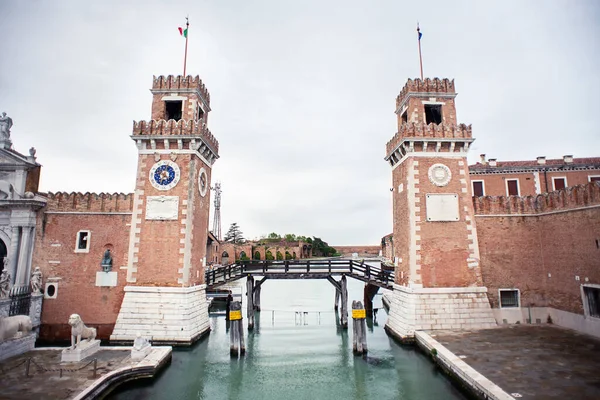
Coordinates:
(165, 315)
(14, 347)
(414, 309)
(138, 355)
(85, 349)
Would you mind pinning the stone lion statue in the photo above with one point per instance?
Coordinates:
(10, 327)
(80, 331)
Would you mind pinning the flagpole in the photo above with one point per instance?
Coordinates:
(420, 58)
(187, 27)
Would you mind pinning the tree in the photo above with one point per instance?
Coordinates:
(234, 234)
(274, 235)
(290, 237)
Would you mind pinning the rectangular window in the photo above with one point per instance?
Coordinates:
(404, 117)
(591, 300)
(509, 298)
(82, 243)
(478, 188)
(559, 183)
(512, 187)
(594, 178)
(173, 110)
(433, 114)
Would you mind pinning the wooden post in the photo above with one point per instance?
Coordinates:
(369, 293)
(337, 299)
(257, 296)
(236, 332)
(359, 329)
(344, 302)
(250, 296)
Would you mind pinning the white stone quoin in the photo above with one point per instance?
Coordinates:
(415, 309)
(162, 314)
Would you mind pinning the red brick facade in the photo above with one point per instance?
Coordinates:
(107, 219)
(546, 246)
(534, 177)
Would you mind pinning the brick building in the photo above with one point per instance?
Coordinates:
(531, 255)
(525, 178)
(157, 235)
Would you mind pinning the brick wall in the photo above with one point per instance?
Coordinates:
(541, 245)
(362, 251)
(75, 273)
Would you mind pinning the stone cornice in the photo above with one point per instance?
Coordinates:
(521, 170)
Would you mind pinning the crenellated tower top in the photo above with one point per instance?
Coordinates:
(427, 101)
(179, 97)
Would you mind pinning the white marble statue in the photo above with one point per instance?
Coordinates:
(5, 124)
(140, 343)
(11, 326)
(5, 281)
(80, 331)
(36, 281)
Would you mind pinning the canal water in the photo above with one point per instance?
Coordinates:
(296, 351)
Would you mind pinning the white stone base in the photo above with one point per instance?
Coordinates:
(137, 355)
(414, 309)
(14, 347)
(164, 314)
(83, 350)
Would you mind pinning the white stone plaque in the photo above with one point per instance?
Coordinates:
(106, 278)
(162, 207)
(442, 207)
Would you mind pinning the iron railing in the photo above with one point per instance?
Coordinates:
(20, 300)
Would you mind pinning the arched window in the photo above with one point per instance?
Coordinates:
(294, 255)
(225, 258)
(288, 256)
(269, 255)
(279, 256)
(243, 256)
(257, 255)
(224, 254)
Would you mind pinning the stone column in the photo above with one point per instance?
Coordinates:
(23, 267)
(13, 253)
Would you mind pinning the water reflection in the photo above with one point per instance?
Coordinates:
(286, 359)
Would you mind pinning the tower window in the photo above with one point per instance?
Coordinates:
(404, 117)
(433, 114)
(199, 113)
(173, 110)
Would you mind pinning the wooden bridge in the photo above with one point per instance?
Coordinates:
(374, 277)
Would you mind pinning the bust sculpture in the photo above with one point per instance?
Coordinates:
(106, 261)
(5, 124)
(36, 281)
(4, 284)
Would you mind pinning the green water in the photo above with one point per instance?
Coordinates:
(292, 355)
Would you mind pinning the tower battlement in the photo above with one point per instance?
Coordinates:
(176, 83)
(189, 128)
(426, 86)
(90, 202)
(429, 132)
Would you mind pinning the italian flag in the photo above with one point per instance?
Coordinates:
(183, 32)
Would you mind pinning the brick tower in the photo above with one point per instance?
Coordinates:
(165, 295)
(438, 277)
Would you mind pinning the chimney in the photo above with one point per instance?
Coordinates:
(492, 162)
(482, 156)
(568, 159)
(541, 160)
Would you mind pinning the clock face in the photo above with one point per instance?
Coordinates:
(202, 182)
(164, 175)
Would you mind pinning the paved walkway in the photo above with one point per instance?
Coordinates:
(531, 361)
(44, 381)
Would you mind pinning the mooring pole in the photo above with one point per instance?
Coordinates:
(337, 299)
(257, 296)
(250, 296)
(236, 331)
(344, 285)
(369, 293)
(359, 330)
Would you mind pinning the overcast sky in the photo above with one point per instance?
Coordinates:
(302, 93)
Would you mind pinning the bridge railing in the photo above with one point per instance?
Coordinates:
(357, 269)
